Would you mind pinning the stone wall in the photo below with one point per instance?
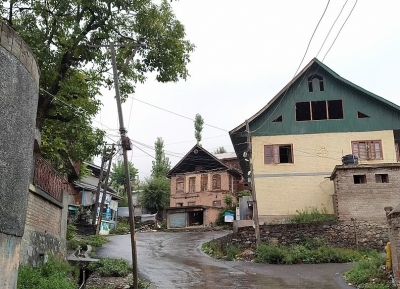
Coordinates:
(361, 234)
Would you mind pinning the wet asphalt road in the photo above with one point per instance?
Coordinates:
(175, 260)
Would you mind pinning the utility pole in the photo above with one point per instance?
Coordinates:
(253, 187)
(128, 186)
(103, 198)
(96, 203)
(125, 144)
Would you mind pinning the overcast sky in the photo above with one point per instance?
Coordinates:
(246, 52)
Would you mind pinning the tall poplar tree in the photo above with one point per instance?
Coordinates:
(161, 164)
(198, 127)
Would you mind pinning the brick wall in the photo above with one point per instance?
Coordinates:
(43, 216)
(365, 201)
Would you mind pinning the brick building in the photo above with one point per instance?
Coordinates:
(199, 183)
(363, 191)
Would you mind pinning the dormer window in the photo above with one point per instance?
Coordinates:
(315, 81)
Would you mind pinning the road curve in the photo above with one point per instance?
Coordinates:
(175, 260)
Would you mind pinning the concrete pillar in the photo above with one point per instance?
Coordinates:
(19, 89)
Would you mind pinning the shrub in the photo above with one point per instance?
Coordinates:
(221, 217)
(121, 229)
(270, 254)
(368, 273)
(232, 251)
(97, 240)
(311, 214)
(243, 193)
(111, 267)
(71, 232)
(214, 248)
(52, 275)
(307, 253)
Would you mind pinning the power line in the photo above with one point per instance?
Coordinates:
(340, 30)
(312, 36)
(331, 28)
(163, 109)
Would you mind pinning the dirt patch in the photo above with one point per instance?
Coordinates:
(96, 281)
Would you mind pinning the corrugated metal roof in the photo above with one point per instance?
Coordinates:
(224, 156)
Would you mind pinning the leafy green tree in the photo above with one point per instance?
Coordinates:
(161, 164)
(155, 194)
(117, 175)
(198, 127)
(220, 150)
(62, 34)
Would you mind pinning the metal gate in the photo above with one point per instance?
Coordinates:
(177, 220)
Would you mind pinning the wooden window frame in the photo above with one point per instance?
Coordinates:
(192, 203)
(381, 178)
(204, 184)
(311, 110)
(217, 178)
(359, 179)
(370, 155)
(273, 155)
(192, 184)
(180, 179)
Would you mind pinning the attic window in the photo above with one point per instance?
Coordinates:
(315, 81)
(362, 115)
(278, 119)
(319, 110)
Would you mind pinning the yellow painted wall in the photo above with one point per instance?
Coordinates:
(279, 187)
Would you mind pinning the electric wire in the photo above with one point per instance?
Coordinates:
(331, 28)
(312, 36)
(177, 114)
(340, 30)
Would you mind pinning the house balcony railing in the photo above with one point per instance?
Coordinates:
(48, 179)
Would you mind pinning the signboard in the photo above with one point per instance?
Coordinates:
(229, 217)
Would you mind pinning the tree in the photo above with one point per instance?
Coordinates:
(220, 150)
(117, 175)
(161, 164)
(155, 194)
(60, 34)
(198, 127)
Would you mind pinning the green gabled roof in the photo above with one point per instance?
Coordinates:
(299, 75)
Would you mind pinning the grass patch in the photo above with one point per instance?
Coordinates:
(216, 250)
(95, 241)
(305, 254)
(368, 273)
(121, 229)
(52, 275)
(311, 214)
(111, 267)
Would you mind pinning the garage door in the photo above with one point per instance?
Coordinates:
(177, 220)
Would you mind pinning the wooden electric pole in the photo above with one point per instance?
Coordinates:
(253, 187)
(105, 187)
(125, 144)
(96, 202)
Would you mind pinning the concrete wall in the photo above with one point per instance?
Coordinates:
(19, 83)
(393, 221)
(284, 188)
(204, 198)
(365, 201)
